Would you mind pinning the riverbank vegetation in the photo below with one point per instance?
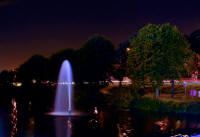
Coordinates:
(157, 52)
(126, 98)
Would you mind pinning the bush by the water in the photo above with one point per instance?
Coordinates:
(122, 97)
(149, 104)
(126, 97)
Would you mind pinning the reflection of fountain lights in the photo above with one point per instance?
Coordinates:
(180, 135)
(13, 118)
(69, 123)
(63, 126)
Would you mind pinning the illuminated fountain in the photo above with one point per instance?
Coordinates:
(63, 99)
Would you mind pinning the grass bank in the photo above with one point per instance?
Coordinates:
(126, 97)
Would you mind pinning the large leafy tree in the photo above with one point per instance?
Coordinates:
(194, 40)
(191, 65)
(157, 53)
(96, 58)
(7, 77)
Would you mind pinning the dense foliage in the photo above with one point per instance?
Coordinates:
(33, 68)
(157, 53)
(96, 59)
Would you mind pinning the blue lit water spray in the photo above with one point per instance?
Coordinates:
(63, 100)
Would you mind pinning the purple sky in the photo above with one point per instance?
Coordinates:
(30, 27)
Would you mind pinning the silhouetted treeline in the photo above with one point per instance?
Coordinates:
(91, 63)
(95, 61)
(194, 63)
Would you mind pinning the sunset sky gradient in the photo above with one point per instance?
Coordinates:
(30, 27)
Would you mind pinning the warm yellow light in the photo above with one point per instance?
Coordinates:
(128, 49)
(17, 84)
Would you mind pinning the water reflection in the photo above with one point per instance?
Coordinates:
(95, 110)
(94, 120)
(63, 126)
(99, 123)
(14, 119)
(163, 124)
(176, 124)
(125, 127)
(30, 127)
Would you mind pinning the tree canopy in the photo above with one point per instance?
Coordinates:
(55, 61)
(33, 68)
(194, 39)
(7, 77)
(96, 58)
(157, 53)
(122, 55)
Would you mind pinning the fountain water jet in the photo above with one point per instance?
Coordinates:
(63, 100)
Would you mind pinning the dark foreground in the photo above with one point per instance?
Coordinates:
(23, 115)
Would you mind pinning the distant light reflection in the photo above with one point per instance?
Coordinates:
(13, 118)
(95, 110)
(31, 127)
(162, 124)
(94, 121)
(125, 128)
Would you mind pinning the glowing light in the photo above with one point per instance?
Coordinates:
(128, 49)
(65, 83)
(185, 84)
(162, 124)
(95, 110)
(17, 84)
(199, 94)
(193, 92)
(34, 81)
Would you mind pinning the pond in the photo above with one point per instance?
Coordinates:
(19, 118)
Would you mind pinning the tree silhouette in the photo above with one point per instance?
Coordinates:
(33, 68)
(96, 58)
(55, 61)
(194, 39)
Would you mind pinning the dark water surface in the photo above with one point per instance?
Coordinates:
(18, 118)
